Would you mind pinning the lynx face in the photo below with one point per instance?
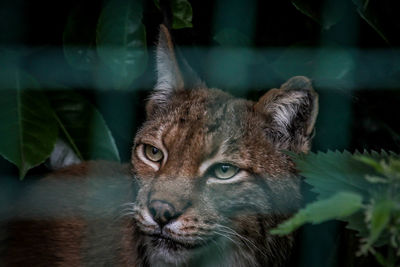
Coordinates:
(211, 169)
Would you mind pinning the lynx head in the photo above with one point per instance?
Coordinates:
(211, 169)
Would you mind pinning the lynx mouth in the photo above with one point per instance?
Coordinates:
(164, 242)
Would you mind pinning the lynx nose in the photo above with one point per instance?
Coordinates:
(162, 212)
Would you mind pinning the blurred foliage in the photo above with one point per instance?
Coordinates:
(181, 13)
(338, 206)
(121, 44)
(79, 38)
(108, 45)
(374, 12)
(324, 15)
(361, 189)
(82, 127)
(28, 127)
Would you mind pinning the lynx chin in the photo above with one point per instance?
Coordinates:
(208, 178)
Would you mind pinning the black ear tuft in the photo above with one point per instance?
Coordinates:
(291, 112)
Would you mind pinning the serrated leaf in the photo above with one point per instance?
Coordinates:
(27, 123)
(372, 176)
(121, 44)
(83, 127)
(331, 172)
(79, 37)
(340, 205)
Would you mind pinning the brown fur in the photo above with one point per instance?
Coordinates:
(177, 212)
(69, 216)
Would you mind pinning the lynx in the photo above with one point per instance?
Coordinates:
(209, 177)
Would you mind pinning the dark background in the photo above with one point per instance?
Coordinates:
(351, 117)
(354, 117)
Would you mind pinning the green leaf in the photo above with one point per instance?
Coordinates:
(83, 127)
(231, 37)
(356, 222)
(181, 13)
(121, 44)
(331, 172)
(371, 162)
(380, 259)
(388, 166)
(27, 123)
(376, 179)
(374, 176)
(79, 37)
(379, 217)
(338, 206)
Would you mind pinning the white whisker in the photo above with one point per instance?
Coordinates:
(226, 236)
(246, 241)
(128, 204)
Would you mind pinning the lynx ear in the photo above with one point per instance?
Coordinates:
(169, 77)
(291, 112)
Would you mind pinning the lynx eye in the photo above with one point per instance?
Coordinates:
(153, 153)
(225, 171)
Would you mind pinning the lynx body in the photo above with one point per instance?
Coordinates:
(207, 180)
